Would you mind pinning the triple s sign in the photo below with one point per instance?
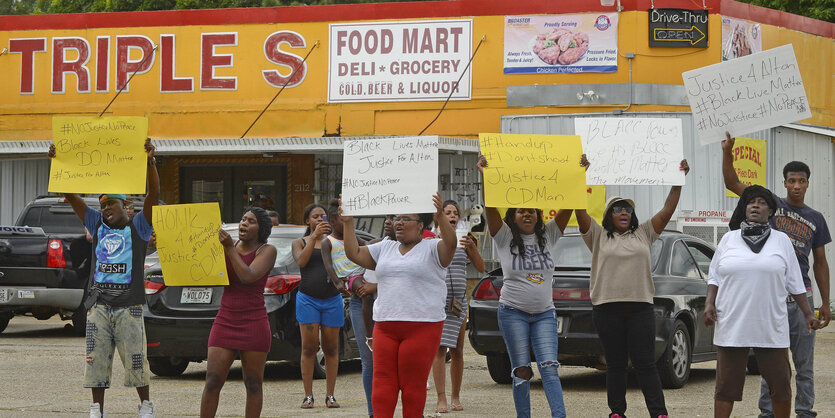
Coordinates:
(379, 61)
(72, 55)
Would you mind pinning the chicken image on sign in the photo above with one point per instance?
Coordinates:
(533, 171)
(399, 61)
(188, 246)
(98, 155)
(579, 43)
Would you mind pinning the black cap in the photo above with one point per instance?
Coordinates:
(749, 193)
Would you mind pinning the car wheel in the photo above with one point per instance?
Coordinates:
(79, 322)
(499, 367)
(4, 322)
(167, 366)
(319, 365)
(753, 366)
(674, 364)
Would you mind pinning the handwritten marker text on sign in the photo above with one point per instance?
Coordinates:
(537, 171)
(190, 252)
(98, 155)
(746, 94)
(389, 175)
(632, 151)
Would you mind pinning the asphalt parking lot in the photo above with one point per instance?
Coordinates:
(41, 367)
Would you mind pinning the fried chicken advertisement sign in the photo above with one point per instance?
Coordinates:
(579, 43)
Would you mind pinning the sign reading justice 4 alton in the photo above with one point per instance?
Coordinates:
(399, 61)
(632, 151)
(747, 94)
(98, 155)
(389, 175)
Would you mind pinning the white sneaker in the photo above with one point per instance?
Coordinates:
(147, 410)
(96, 412)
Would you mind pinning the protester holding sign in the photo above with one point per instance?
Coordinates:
(452, 337)
(753, 272)
(117, 290)
(318, 305)
(409, 310)
(809, 234)
(241, 325)
(622, 289)
(526, 314)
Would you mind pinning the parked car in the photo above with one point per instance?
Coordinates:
(178, 319)
(45, 263)
(680, 265)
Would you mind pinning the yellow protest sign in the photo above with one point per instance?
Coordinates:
(187, 243)
(98, 155)
(596, 201)
(533, 171)
(750, 156)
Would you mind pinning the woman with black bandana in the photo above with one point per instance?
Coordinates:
(752, 273)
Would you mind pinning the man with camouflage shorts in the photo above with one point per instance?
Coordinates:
(116, 291)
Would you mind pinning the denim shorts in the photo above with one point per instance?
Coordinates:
(111, 328)
(328, 312)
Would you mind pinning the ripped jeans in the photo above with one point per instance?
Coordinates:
(522, 332)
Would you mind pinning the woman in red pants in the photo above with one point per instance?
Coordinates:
(409, 310)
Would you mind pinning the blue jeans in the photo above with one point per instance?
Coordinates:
(521, 332)
(802, 345)
(358, 324)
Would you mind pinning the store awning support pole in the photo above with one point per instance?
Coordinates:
(141, 63)
(452, 90)
(299, 65)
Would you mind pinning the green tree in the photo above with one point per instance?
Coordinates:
(816, 9)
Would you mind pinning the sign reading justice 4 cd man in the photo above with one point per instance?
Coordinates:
(399, 61)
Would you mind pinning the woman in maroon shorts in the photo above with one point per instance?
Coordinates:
(241, 324)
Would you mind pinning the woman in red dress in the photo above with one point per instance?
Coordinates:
(241, 324)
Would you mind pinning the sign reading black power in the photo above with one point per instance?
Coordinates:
(678, 28)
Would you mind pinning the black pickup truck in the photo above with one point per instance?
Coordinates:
(45, 263)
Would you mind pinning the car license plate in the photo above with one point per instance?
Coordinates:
(4, 295)
(196, 295)
(559, 324)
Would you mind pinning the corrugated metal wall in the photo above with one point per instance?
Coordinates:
(20, 182)
(705, 189)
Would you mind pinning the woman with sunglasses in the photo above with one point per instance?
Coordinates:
(621, 290)
(526, 315)
(409, 311)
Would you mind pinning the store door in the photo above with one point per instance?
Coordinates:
(236, 187)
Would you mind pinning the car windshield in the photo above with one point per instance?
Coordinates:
(571, 251)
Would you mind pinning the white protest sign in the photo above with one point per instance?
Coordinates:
(746, 94)
(632, 151)
(399, 61)
(383, 176)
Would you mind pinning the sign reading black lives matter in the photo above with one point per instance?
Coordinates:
(678, 28)
(399, 61)
(746, 94)
(382, 176)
